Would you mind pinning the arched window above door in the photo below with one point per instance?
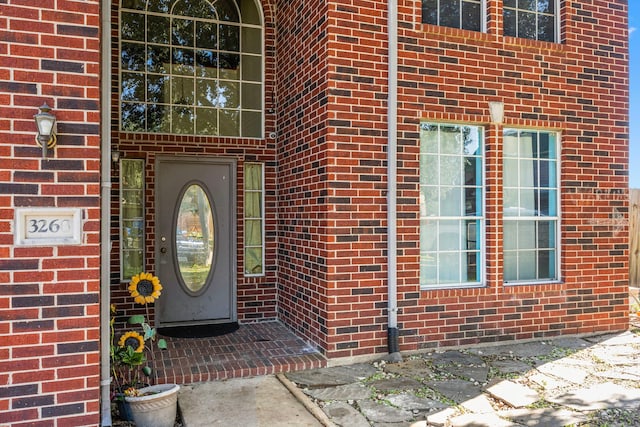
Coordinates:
(191, 67)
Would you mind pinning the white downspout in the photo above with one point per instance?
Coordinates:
(105, 212)
(392, 130)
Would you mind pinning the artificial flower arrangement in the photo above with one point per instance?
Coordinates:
(128, 358)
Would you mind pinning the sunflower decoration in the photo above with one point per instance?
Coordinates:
(145, 288)
(132, 339)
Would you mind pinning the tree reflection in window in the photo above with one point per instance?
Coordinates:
(184, 74)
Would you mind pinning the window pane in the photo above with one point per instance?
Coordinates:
(449, 235)
(252, 40)
(131, 217)
(253, 218)
(207, 121)
(252, 96)
(449, 268)
(529, 244)
(182, 32)
(450, 201)
(527, 25)
(251, 68)
(158, 29)
(510, 25)
(546, 28)
(132, 87)
(157, 89)
(133, 57)
(528, 4)
(527, 262)
(471, 235)
(158, 59)
(430, 12)
(132, 26)
(430, 200)
(471, 16)
(546, 6)
(450, 170)
(450, 13)
(450, 204)
(251, 124)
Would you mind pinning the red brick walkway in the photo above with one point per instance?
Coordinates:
(254, 349)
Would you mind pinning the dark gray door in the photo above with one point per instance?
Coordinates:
(195, 240)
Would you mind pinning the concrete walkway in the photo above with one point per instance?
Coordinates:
(591, 381)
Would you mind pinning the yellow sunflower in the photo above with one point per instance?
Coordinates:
(132, 339)
(145, 288)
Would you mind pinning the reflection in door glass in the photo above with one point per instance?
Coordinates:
(194, 238)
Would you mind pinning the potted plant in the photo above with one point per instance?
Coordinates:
(152, 405)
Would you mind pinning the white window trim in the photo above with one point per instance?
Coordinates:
(262, 221)
(123, 278)
(556, 24)
(557, 218)
(482, 219)
(262, 82)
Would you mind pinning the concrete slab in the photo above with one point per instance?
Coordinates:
(510, 366)
(453, 357)
(599, 396)
(478, 405)
(544, 417)
(412, 368)
(414, 403)
(345, 415)
(396, 384)
(480, 420)
(248, 402)
(382, 413)
(456, 390)
(441, 418)
(326, 377)
(513, 394)
(547, 382)
(345, 392)
(568, 373)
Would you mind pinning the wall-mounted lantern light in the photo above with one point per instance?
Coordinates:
(46, 123)
(115, 157)
(496, 111)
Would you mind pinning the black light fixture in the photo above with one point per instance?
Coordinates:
(46, 123)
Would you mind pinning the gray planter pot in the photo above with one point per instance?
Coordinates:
(157, 407)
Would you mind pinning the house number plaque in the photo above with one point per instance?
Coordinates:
(48, 226)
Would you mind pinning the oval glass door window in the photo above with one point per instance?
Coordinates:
(194, 238)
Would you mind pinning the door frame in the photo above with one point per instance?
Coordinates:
(232, 163)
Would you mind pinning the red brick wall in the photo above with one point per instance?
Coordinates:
(578, 87)
(304, 161)
(49, 295)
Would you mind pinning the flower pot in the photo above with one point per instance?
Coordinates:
(156, 407)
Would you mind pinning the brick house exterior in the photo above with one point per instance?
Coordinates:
(323, 146)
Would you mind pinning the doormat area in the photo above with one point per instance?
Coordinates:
(199, 331)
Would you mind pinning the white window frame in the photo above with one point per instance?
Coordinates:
(556, 21)
(483, 17)
(556, 218)
(262, 246)
(122, 219)
(481, 227)
(242, 53)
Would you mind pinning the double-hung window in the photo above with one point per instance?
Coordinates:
(464, 14)
(531, 19)
(451, 206)
(531, 206)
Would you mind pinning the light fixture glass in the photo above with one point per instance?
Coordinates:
(46, 124)
(496, 111)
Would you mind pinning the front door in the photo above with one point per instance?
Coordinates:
(195, 240)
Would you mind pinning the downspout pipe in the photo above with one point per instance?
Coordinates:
(105, 213)
(392, 131)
